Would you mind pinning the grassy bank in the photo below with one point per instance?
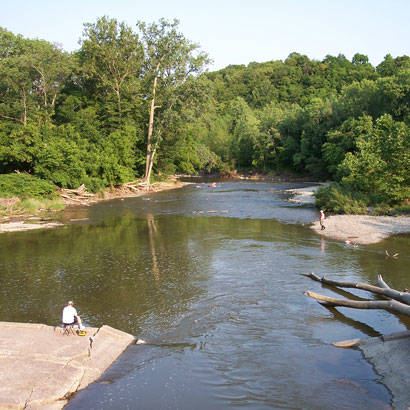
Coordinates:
(22, 194)
(17, 206)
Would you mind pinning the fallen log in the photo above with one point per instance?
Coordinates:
(398, 302)
(71, 198)
(383, 290)
(133, 188)
(383, 338)
(390, 305)
(80, 191)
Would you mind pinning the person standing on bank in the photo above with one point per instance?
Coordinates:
(70, 316)
(321, 219)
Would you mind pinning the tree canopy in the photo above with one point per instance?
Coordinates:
(132, 100)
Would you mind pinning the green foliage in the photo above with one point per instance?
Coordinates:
(245, 131)
(93, 117)
(25, 186)
(111, 59)
(337, 199)
(380, 165)
(171, 60)
(402, 209)
(117, 161)
(343, 140)
(32, 206)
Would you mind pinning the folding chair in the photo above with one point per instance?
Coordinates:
(68, 329)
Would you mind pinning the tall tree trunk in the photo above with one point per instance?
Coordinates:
(117, 91)
(25, 107)
(150, 153)
(149, 157)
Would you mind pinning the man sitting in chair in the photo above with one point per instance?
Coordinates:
(70, 316)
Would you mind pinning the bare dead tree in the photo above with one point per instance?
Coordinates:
(397, 302)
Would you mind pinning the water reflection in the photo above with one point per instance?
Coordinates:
(363, 327)
(152, 229)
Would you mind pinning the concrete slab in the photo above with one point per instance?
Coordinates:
(41, 367)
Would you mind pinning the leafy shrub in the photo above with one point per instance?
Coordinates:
(402, 209)
(340, 198)
(381, 163)
(25, 185)
(335, 198)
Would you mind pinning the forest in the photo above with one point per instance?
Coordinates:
(138, 103)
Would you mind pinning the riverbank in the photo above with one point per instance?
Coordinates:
(353, 229)
(42, 367)
(79, 197)
(362, 229)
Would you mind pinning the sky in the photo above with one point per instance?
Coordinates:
(233, 31)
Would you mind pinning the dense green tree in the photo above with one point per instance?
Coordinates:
(391, 66)
(111, 60)
(380, 165)
(32, 74)
(245, 132)
(269, 142)
(343, 140)
(170, 59)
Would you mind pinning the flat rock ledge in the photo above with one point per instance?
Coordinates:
(41, 368)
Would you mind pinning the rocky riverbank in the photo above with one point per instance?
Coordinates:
(42, 368)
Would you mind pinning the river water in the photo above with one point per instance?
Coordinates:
(210, 278)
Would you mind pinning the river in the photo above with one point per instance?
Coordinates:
(210, 278)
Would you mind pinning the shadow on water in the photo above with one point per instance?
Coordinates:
(218, 297)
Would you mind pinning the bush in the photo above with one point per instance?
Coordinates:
(380, 165)
(341, 199)
(25, 186)
(402, 209)
(336, 198)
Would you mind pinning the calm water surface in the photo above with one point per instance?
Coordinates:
(217, 295)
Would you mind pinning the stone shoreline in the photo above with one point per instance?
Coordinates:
(42, 368)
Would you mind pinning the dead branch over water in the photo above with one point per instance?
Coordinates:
(398, 302)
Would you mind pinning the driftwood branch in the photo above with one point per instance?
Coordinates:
(383, 290)
(384, 338)
(399, 302)
(80, 191)
(390, 305)
(382, 283)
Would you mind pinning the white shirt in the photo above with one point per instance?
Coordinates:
(69, 312)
